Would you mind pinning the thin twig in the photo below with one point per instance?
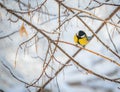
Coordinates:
(14, 76)
(3, 37)
(111, 39)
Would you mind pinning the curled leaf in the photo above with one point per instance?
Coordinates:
(23, 31)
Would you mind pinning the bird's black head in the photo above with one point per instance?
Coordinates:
(81, 34)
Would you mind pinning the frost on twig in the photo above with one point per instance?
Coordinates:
(46, 33)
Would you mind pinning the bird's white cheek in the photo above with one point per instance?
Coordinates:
(82, 36)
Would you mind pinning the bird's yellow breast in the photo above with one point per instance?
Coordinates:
(83, 41)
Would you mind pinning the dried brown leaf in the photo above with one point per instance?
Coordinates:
(23, 31)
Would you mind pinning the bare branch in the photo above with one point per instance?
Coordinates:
(3, 37)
